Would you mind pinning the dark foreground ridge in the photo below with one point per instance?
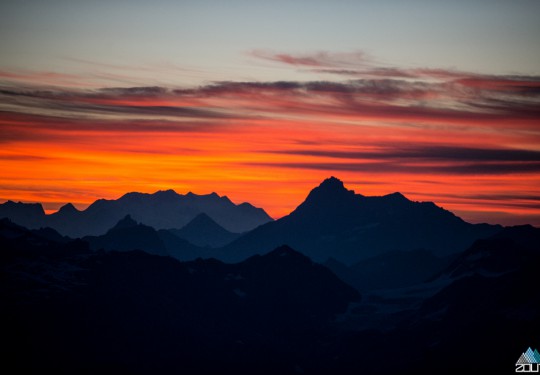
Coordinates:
(68, 309)
(85, 312)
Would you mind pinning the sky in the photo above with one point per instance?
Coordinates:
(261, 101)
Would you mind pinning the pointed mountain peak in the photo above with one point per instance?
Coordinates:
(226, 199)
(332, 187)
(397, 196)
(330, 193)
(202, 219)
(67, 209)
(284, 251)
(204, 231)
(203, 223)
(332, 183)
(126, 222)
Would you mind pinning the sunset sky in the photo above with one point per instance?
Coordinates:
(262, 100)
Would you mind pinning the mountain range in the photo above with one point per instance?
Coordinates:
(128, 235)
(203, 231)
(161, 210)
(71, 309)
(334, 222)
(404, 287)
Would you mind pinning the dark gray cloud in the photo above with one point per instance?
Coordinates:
(380, 98)
(422, 159)
(18, 127)
(427, 153)
(505, 168)
(108, 101)
(134, 91)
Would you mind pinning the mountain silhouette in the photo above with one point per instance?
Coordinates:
(334, 222)
(67, 209)
(71, 309)
(161, 210)
(132, 312)
(126, 222)
(128, 235)
(29, 215)
(204, 231)
(43, 236)
(180, 248)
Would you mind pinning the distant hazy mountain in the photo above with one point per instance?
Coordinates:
(334, 222)
(161, 210)
(128, 235)
(204, 231)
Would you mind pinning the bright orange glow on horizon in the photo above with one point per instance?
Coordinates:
(270, 144)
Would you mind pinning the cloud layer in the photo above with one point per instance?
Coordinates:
(461, 137)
